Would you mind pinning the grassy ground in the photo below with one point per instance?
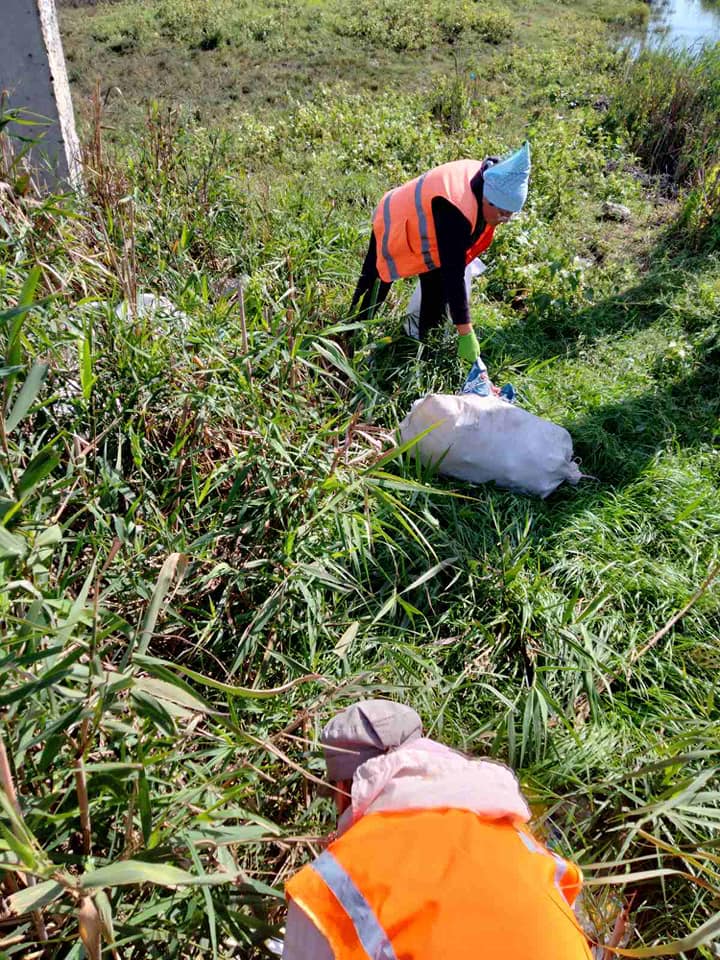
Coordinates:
(208, 542)
(217, 59)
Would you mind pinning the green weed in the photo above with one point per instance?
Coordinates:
(670, 106)
(395, 25)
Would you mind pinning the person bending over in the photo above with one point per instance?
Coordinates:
(433, 227)
(433, 859)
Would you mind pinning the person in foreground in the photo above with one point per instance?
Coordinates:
(433, 860)
(433, 227)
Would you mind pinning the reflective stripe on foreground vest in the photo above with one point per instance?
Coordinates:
(562, 868)
(369, 932)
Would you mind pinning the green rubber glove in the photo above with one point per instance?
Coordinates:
(468, 347)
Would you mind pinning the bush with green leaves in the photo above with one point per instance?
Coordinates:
(402, 27)
(205, 25)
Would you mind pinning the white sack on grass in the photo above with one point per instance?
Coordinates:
(474, 269)
(483, 438)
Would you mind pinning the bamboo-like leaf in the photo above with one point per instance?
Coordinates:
(18, 835)
(27, 294)
(48, 537)
(11, 545)
(155, 711)
(15, 318)
(78, 608)
(228, 688)
(33, 898)
(144, 805)
(207, 897)
(708, 932)
(42, 464)
(27, 395)
(170, 686)
(393, 482)
(619, 879)
(401, 448)
(133, 872)
(102, 902)
(55, 674)
(345, 641)
(64, 722)
(429, 574)
(87, 380)
(12, 314)
(386, 607)
(219, 836)
(262, 888)
(90, 928)
(172, 692)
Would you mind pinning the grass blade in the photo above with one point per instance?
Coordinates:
(174, 566)
(28, 393)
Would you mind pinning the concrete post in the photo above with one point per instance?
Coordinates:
(32, 71)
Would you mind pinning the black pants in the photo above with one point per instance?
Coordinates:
(433, 304)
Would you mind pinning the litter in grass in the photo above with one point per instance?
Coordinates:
(165, 315)
(483, 439)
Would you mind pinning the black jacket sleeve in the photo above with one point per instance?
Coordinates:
(453, 232)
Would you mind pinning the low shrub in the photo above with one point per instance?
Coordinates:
(393, 24)
(494, 26)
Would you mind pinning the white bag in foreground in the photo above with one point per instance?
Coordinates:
(482, 438)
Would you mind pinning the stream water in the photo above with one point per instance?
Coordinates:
(687, 23)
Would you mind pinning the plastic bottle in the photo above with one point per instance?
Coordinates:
(477, 380)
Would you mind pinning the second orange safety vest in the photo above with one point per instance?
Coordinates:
(441, 885)
(403, 223)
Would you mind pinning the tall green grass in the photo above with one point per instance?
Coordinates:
(209, 540)
(670, 106)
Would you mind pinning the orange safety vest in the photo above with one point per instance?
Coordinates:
(403, 223)
(441, 885)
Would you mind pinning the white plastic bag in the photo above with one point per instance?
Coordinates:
(483, 438)
(474, 269)
(165, 316)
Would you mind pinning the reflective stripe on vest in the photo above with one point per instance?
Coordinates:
(561, 866)
(394, 275)
(369, 932)
(422, 226)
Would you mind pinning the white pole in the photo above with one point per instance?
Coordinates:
(33, 75)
